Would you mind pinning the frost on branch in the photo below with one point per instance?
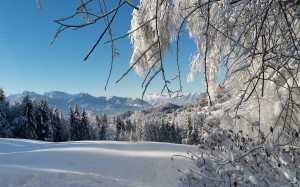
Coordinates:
(151, 41)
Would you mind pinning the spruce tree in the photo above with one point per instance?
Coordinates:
(83, 127)
(163, 132)
(103, 127)
(28, 125)
(2, 95)
(72, 124)
(57, 126)
(44, 126)
(4, 107)
(172, 134)
(120, 128)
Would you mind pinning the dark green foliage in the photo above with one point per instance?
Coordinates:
(120, 128)
(83, 127)
(163, 131)
(44, 129)
(27, 125)
(3, 114)
(57, 126)
(102, 125)
(72, 122)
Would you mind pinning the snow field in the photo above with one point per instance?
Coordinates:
(90, 163)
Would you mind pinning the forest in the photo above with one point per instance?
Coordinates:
(34, 119)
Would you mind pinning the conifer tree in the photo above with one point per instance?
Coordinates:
(44, 126)
(57, 126)
(172, 134)
(103, 127)
(120, 128)
(28, 125)
(83, 127)
(72, 124)
(4, 106)
(163, 131)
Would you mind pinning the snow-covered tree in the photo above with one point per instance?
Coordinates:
(27, 124)
(4, 109)
(120, 128)
(102, 125)
(83, 127)
(72, 122)
(44, 129)
(57, 126)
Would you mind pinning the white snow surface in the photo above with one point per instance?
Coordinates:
(90, 163)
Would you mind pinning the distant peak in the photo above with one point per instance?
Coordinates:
(29, 93)
(56, 94)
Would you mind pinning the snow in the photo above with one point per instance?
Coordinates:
(176, 98)
(90, 163)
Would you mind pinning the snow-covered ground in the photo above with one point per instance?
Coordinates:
(90, 163)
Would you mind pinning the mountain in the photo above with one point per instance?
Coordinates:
(97, 105)
(175, 98)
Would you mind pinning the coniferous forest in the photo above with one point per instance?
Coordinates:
(34, 119)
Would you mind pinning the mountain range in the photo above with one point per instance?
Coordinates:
(96, 105)
(112, 105)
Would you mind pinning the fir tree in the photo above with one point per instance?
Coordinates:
(172, 133)
(4, 107)
(120, 128)
(72, 124)
(163, 132)
(28, 124)
(83, 127)
(103, 127)
(178, 135)
(44, 126)
(2, 95)
(57, 126)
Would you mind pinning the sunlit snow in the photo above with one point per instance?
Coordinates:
(90, 163)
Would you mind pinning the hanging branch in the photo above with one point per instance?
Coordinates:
(114, 52)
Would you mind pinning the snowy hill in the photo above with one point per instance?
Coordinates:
(175, 98)
(97, 105)
(88, 163)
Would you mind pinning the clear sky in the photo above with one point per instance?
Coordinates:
(28, 61)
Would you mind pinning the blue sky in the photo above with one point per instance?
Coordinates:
(29, 62)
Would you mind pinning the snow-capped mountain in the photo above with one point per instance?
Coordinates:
(175, 98)
(97, 105)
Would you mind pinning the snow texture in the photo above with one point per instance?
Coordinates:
(90, 163)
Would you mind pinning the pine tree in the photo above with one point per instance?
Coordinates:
(178, 135)
(172, 134)
(2, 95)
(4, 106)
(57, 126)
(72, 124)
(83, 127)
(44, 126)
(28, 125)
(76, 111)
(163, 132)
(102, 126)
(120, 128)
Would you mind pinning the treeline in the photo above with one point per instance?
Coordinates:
(37, 120)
